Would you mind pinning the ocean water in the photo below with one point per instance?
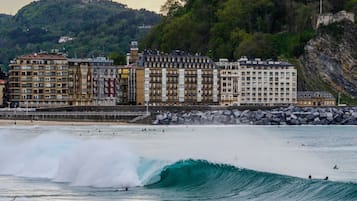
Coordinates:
(259, 163)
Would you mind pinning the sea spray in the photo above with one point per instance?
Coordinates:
(99, 163)
(89, 162)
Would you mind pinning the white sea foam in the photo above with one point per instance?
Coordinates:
(89, 162)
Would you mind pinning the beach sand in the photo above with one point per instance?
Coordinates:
(4, 122)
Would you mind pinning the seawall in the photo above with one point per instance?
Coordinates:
(278, 116)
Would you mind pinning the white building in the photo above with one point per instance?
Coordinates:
(257, 82)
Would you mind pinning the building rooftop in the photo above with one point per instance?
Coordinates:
(260, 62)
(43, 56)
(91, 60)
(173, 53)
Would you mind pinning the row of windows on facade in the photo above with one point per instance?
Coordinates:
(43, 62)
(256, 67)
(261, 83)
(270, 94)
(41, 91)
(261, 74)
(157, 72)
(265, 89)
(46, 68)
(36, 73)
(259, 100)
(187, 79)
(36, 97)
(271, 79)
(174, 93)
(179, 65)
(187, 86)
(48, 102)
(177, 59)
(112, 70)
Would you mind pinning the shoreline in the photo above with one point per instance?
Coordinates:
(4, 122)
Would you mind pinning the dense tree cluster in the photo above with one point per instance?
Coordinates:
(232, 28)
(98, 28)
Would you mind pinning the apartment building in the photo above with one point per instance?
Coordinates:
(229, 80)
(128, 78)
(104, 82)
(39, 80)
(80, 82)
(257, 82)
(179, 79)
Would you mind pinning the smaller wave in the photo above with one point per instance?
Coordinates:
(220, 181)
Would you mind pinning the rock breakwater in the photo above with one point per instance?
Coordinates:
(281, 116)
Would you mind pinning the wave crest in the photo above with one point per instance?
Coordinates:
(218, 181)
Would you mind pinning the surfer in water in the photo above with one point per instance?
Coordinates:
(335, 167)
(326, 178)
(310, 176)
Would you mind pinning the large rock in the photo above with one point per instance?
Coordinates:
(331, 58)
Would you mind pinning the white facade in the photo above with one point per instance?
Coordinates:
(181, 85)
(147, 85)
(199, 85)
(164, 85)
(263, 83)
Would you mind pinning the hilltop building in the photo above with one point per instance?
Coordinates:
(179, 79)
(257, 83)
(315, 98)
(329, 18)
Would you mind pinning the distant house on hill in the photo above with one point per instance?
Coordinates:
(315, 98)
(65, 39)
(329, 18)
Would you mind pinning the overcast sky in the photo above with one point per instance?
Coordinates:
(11, 6)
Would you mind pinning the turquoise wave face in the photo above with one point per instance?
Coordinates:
(192, 179)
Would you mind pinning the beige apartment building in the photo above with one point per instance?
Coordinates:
(130, 79)
(80, 82)
(2, 92)
(92, 81)
(257, 83)
(39, 80)
(179, 79)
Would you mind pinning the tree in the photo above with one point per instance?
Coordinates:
(171, 6)
(119, 58)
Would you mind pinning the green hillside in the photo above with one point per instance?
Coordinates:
(98, 27)
(232, 28)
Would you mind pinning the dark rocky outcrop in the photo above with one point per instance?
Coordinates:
(330, 59)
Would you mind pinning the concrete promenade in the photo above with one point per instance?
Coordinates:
(103, 116)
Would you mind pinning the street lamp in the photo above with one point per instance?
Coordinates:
(147, 108)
